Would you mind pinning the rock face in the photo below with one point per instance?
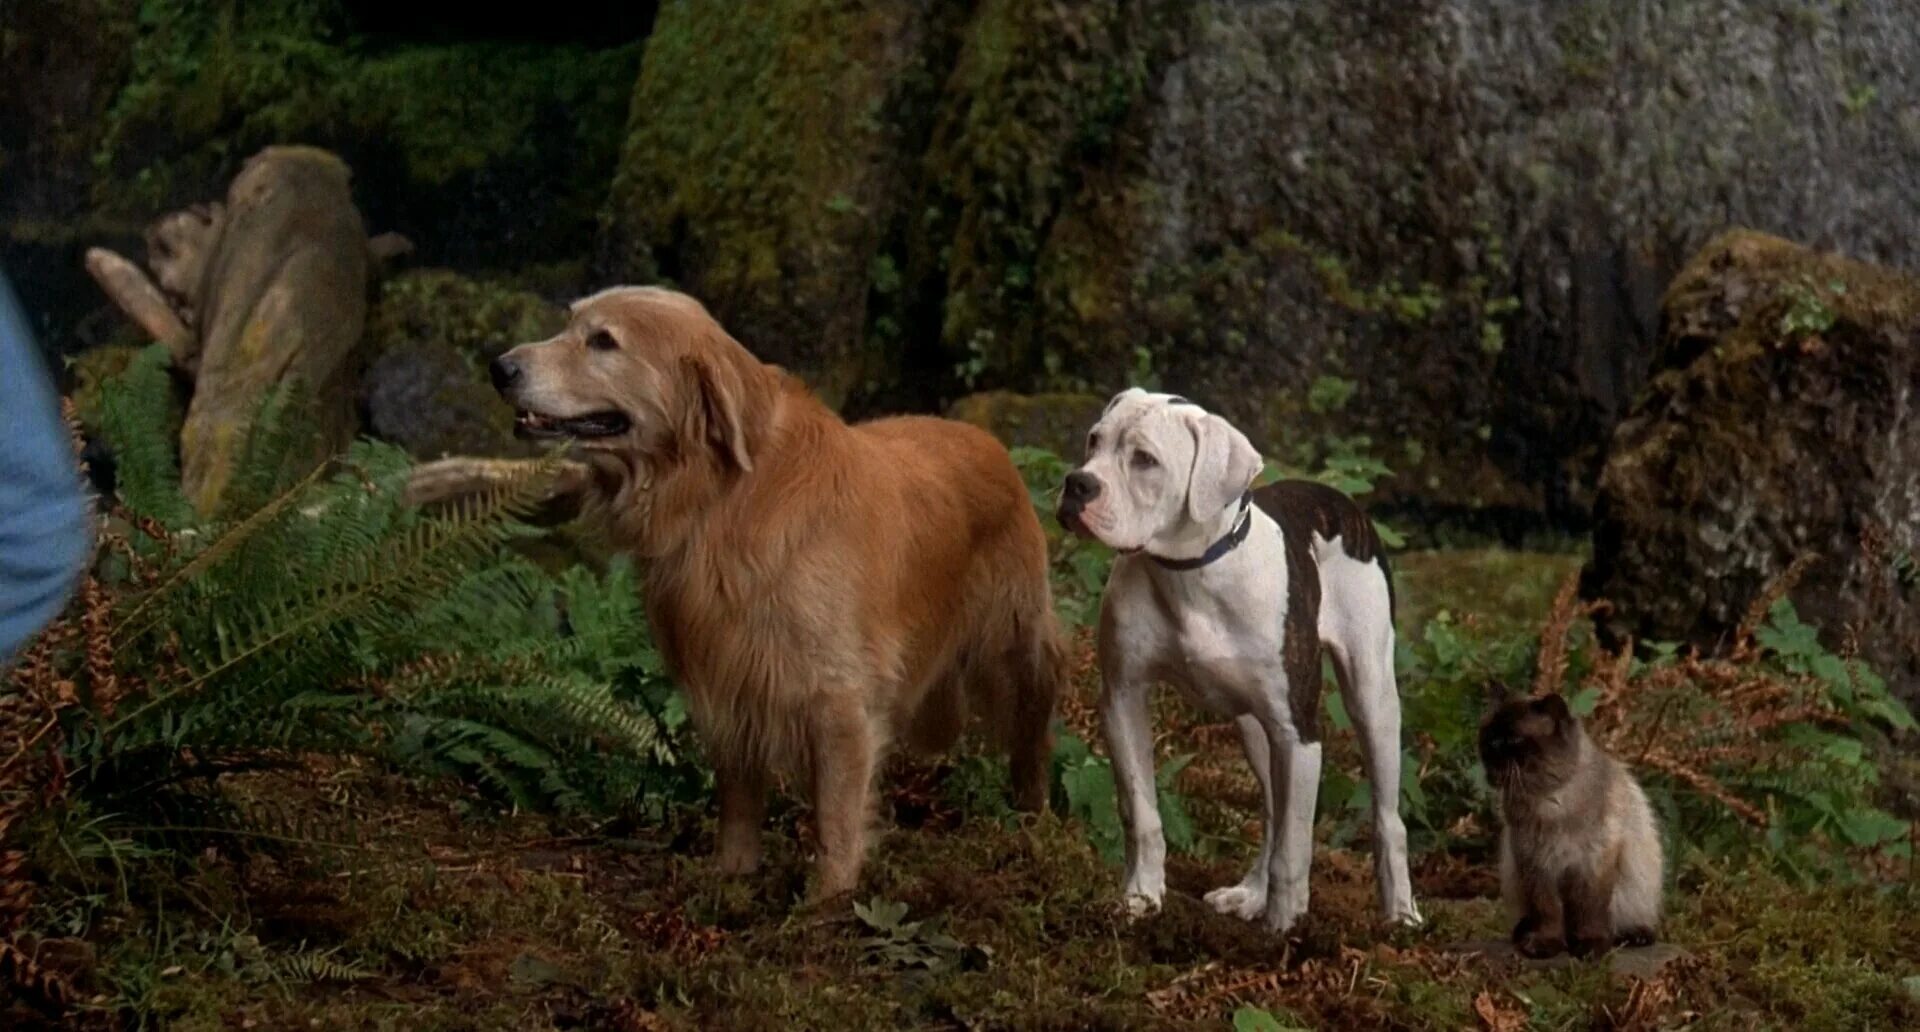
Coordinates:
(1784, 422)
(1466, 209)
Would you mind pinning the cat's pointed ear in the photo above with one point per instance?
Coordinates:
(1553, 706)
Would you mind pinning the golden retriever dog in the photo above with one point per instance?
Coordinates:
(822, 591)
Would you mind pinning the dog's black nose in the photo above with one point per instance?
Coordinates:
(504, 372)
(1081, 487)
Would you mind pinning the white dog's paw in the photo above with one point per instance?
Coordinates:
(1281, 915)
(1407, 916)
(1243, 901)
(1139, 904)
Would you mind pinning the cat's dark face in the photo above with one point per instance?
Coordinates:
(1528, 738)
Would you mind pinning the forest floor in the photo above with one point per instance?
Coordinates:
(428, 910)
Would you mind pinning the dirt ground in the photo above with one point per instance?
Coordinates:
(407, 905)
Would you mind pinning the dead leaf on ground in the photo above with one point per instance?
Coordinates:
(1498, 1015)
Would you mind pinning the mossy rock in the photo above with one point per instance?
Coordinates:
(1057, 422)
(471, 316)
(763, 164)
(89, 370)
(1780, 426)
(430, 335)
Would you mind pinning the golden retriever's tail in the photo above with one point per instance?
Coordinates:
(1041, 672)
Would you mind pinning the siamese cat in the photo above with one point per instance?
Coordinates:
(1580, 857)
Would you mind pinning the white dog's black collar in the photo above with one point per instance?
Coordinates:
(1219, 548)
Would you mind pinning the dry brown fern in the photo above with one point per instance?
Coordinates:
(1699, 719)
(1551, 670)
(1762, 604)
(21, 972)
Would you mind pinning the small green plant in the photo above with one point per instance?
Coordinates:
(1144, 375)
(1256, 1019)
(1080, 566)
(1905, 570)
(1859, 98)
(1493, 333)
(1330, 394)
(978, 361)
(899, 943)
(1086, 786)
(1808, 313)
(1417, 306)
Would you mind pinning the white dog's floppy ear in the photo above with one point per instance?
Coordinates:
(1224, 465)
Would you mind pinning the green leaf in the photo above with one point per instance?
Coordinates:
(1831, 669)
(1163, 778)
(1889, 711)
(1872, 827)
(1337, 712)
(1175, 823)
(1329, 394)
(1254, 1019)
(881, 914)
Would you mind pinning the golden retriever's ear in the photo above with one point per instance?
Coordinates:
(717, 411)
(1224, 465)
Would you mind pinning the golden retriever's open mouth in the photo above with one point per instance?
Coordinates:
(593, 424)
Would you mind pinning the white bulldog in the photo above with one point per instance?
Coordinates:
(1228, 594)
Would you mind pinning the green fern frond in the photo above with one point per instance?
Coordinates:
(139, 418)
(278, 450)
(228, 544)
(369, 590)
(322, 966)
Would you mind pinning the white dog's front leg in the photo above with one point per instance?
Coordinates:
(1248, 899)
(1130, 746)
(1296, 773)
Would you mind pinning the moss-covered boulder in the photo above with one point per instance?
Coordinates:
(430, 335)
(472, 316)
(1057, 422)
(1780, 425)
(765, 161)
(89, 371)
